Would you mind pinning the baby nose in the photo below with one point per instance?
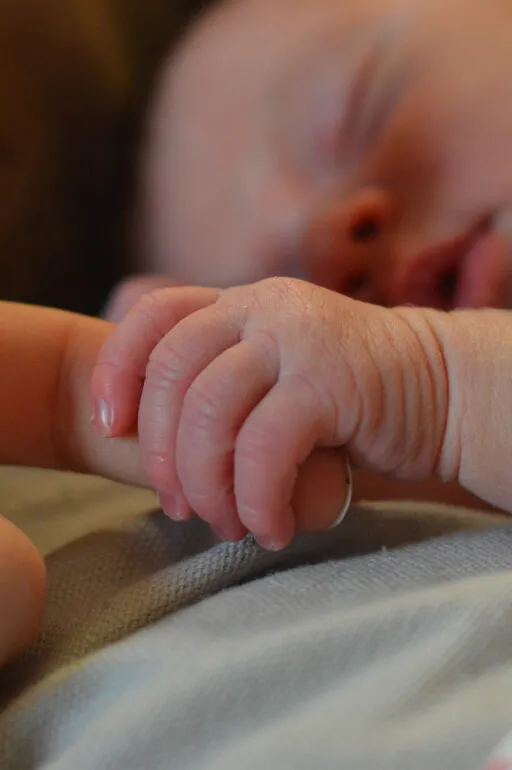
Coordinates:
(348, 246)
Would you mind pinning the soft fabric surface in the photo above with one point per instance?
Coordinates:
(383, 644)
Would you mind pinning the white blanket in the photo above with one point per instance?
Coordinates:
(383, 644)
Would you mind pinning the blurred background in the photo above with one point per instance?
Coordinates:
(75, 79)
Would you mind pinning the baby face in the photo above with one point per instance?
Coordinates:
(364, 145)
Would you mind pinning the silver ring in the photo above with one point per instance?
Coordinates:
(348, 499)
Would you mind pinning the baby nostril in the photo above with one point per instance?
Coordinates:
(447, 286)
(356, 285)
(365, 229)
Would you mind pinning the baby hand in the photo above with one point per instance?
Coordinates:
(233, 390)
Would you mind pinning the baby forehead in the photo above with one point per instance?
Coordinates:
(259, 45)
(260, 41)
(252, 56)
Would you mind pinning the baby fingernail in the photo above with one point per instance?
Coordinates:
(103, 416)
(269, 543)
(174, 506)
(231, 531)
(219, 532)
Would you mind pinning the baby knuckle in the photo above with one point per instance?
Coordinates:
(150, 303)
(254, 443)
(165, 365)
(251, 516)
(209, 502)
(159, 309)
(290, 292)
(203, 408)
(158, 468)
(263, 293)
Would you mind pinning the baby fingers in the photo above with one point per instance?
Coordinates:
(272, 446)
(120, 370)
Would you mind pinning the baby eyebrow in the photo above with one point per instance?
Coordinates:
(352, 128)
(379, 83)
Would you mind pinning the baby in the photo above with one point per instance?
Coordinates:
(354, 153)
(49, 357)
(233, 390)
(363, 146)
(351, 149)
